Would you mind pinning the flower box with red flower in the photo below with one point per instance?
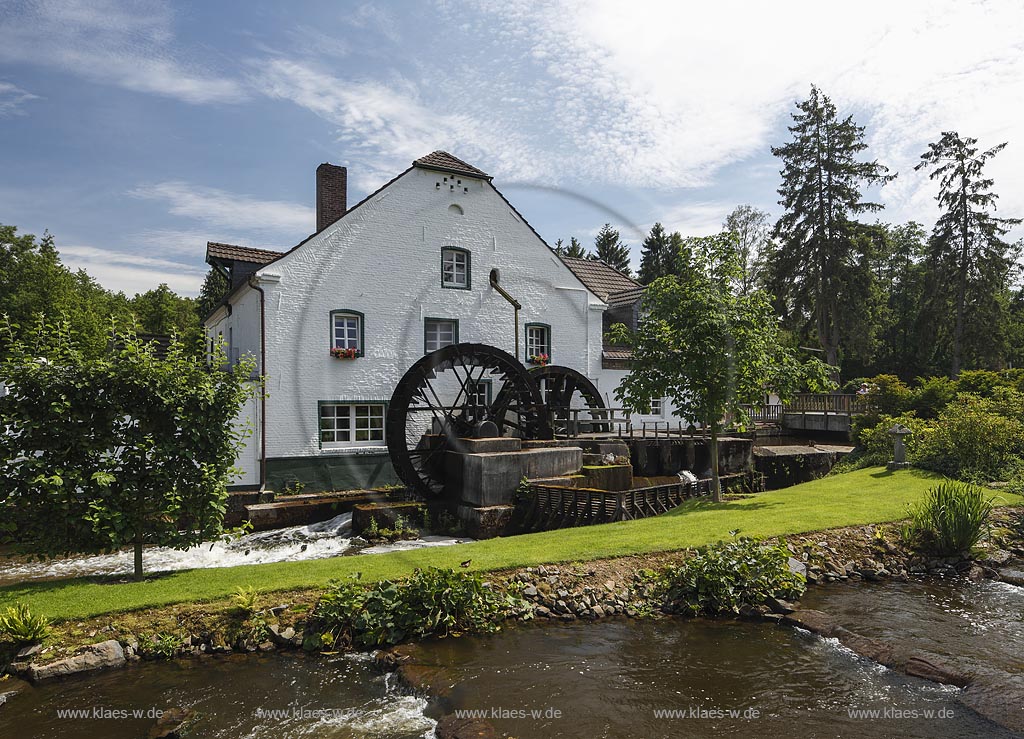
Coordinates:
(540, 360)
(343, 353)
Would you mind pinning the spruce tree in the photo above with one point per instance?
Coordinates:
(821, 271)
(659, 254)
(609, 248)
(969, 262)
(575, 249)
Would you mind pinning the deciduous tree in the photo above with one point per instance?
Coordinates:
(128, 449)
(708, 348)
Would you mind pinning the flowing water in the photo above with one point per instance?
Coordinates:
(329, 538)
(618, 679)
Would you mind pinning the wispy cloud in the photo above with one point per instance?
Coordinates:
(386, 125)
(12, 99)
(131, 46)
(229, 211)
(132, 273)
(655, 94)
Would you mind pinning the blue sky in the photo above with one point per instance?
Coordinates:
(135, 132)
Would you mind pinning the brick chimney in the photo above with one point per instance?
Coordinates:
(331, 194)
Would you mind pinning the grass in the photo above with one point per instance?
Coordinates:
(871, 495)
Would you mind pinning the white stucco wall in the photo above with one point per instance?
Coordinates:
(383, 259)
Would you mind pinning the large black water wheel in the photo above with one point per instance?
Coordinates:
(564, 389)
(451, 394)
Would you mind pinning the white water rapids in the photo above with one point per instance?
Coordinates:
(329, 538)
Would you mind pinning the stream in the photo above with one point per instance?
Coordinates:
(616, 678)
(331, 538)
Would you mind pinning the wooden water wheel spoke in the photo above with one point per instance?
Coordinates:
(446, 383)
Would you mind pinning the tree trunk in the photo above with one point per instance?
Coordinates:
(716, 481)
(138, 558)
(961, 289)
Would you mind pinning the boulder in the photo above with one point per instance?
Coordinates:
(935, 668)
(93, 657)
(172, 724)
(816, 622)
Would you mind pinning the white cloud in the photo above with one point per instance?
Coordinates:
(12, 98)
(229, 211)
(387, 126)
(112, 43)
(665, 94)
(699, 218)
(131, 273)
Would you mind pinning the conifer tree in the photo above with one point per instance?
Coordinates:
(609, 248)
(659, 254)
(969, 262)
(821, 271)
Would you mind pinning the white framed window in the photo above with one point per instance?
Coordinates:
(347, 330)
(351, 423)
(480, 394)
(538, 340)
(439, 333)
(656, 406)
(455, 268)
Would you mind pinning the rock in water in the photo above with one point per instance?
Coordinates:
(93, 657)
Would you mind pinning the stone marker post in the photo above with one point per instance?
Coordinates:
(899, 461)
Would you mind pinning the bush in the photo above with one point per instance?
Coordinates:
(875, 444)
(980, 382)
(888, 395)
(23, 626)
(950, 520)
(432, 602)
(932, 395)
(973, 439)
(724, 576)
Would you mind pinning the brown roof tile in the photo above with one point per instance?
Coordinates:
(445, 162)
(625, 297)
(216, 250)
(611, 352)
(600, 277)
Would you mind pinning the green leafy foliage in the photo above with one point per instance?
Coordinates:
(126, 449)
(950, 520)
(431, 602)
(724, 576)
(22, 626)
(161, 645)
(977, 438)
(708, 348)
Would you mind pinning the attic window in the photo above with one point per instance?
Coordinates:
(455, 268)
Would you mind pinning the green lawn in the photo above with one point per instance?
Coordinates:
(866, 496)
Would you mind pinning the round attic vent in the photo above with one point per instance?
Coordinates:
(455, 209)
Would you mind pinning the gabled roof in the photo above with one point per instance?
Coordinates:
(445, 162)
(233, 253)
(625, 297)
(601, 278)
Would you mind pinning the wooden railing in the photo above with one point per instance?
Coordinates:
(827, 403)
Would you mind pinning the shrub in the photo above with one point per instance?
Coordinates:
(432, 602)
(973, 440)
(23, 626)
(979, 382)
(888, 395)
(874, 442)
(950, 520)
(724, 576)
(932, 395)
